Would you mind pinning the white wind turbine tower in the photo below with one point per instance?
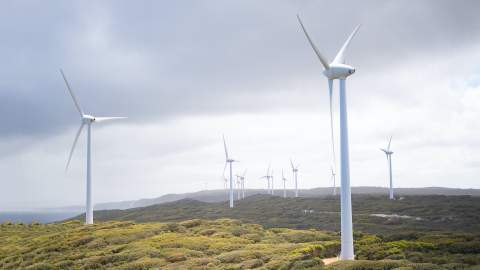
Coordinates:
(239, 187)
(267, 176)
(271, 187)
(87, 120)
(337, 69)
(229, 161)
(295, 173)
(284, 185)
(334, 182)
(242, 183)
(389, 159)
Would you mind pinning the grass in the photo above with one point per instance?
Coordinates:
(222, 244)
(193, 244)
(436, 213)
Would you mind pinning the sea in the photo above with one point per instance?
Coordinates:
(29, 217)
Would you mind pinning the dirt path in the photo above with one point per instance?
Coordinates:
(330, 260)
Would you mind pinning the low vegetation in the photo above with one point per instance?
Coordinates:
(432, 213)
(222, 244)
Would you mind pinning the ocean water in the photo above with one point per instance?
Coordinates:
(29, 217)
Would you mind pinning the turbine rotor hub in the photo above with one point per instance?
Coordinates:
(88, 118)
(338, 71)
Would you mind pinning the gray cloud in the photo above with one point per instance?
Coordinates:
(185, 72)
(159, 59)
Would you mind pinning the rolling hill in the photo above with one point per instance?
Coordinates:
(221, 195)
(372, 213)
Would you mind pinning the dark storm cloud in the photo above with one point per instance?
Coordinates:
(152, 59)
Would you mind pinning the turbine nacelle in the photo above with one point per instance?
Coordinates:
(338, 71)
(86, 119)
(387, 151)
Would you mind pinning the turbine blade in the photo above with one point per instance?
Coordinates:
(340, 58)
(224, 168)
(72, 94)
(244, 173)
(74, 144)
(319, 55)
(103, 119)
(291, 163)
(225, 147)
(390, 141)
(330, 92)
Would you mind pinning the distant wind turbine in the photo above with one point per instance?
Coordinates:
(389, 153)
(337, 69)
(239, 187)
(229, 161)
(242, 182)
(334, 182)
(267, 176)
(225, 182)
(271, 187)
(87, 120)
(295, 173)
(284, 185)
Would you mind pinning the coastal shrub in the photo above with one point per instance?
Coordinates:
(253, 263)
(191, 223)
(41, 266)
(65, 264)
(307, 264)
(222, 244)
(238, 256)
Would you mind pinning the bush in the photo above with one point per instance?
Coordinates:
(253, 263)
(175, 227)
(41, 266)
(66, 264)
(306, 264)
(191, 223)
(176, 257)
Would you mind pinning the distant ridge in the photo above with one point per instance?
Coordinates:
(221, 195)
(372, 213)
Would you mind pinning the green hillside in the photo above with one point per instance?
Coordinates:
(221, 244)
(412, 214)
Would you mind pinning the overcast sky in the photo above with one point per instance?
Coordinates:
(185, 72)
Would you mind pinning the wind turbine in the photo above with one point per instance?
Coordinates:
(271, 187)
(295, 173)
(389, 159)
(229, 161)
(86, 120)
(225, 182)
(267, 176)
(334, 182)
(242, 183)
(239, 187)
(337, 69)
(284, 185)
